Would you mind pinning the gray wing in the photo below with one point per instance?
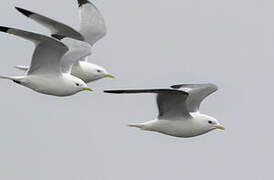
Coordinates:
(78, 50)
(58, 30)
(48, 52)
(92, 25)
(197, 93)
(171, 102)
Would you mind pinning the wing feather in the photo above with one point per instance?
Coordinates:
(48, 52)
(58, 30)
(170, 102)
(92, 23)
(197, 93)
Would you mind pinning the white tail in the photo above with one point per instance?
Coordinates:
(14, 79)
(141, 126)
(7, 77)
(23, 68)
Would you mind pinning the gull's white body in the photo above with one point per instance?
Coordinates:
(178, 107)
(50, 84)
(181, 127)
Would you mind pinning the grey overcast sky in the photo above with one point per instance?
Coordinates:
(150, 43)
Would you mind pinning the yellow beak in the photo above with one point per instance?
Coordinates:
(87, 89)
(109, 76)
(220, 127)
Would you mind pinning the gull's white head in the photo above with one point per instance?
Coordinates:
(209, 123)
(79, 85)
(99, 72)
(89, 72)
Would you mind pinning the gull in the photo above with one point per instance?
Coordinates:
(178, 107)
(51, 64)
(92, 29)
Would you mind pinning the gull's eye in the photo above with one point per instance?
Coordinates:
(99, 71)
(77, 84)
(210, 122)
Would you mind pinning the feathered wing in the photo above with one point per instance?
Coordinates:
(197, 93)
(57, 29)
(48, 52)
(171, 102)
(78, 50)
(92, 23)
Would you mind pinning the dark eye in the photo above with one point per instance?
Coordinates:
(99, 71)
(210, 122)
(77, 84)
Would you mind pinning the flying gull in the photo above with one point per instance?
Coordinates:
(178, 107)
(51, 64)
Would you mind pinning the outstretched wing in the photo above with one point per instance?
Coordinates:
(171, 102)
(197, 93)
(48, 52)
(92, 25)
(57, 29)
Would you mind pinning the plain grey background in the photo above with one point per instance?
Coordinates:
(150, 43)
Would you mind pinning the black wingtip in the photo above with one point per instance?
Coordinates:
(114, 91)
(82, 2)
(176, 86)
(24, 11)
(4, 29)
(58, 36)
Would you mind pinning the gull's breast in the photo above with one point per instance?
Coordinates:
(83, 71)
(50, 85)
(178, 128)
